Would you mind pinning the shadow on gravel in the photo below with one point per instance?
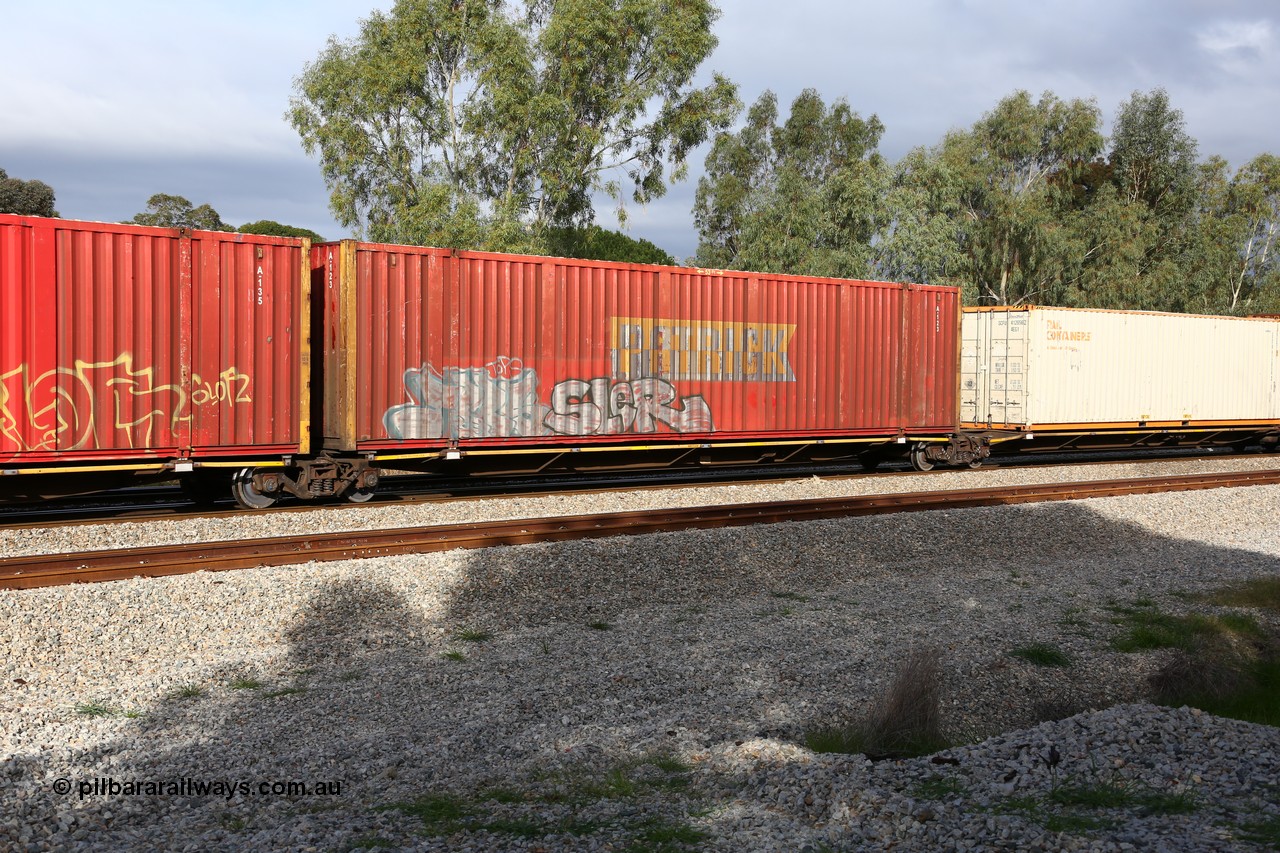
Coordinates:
(1053, 546)
(537, 690)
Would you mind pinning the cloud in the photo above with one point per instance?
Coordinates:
(1237, 47)
(111, 102)
(142, 77)
(77, 119)
(1252, 37)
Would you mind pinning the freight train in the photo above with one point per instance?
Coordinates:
(269, 366)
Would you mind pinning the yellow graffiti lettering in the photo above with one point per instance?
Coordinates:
(94, 405)
(231, 387)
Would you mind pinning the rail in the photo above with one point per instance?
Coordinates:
(166, 503)
(55, 569)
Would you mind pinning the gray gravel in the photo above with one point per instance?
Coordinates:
(635, 692)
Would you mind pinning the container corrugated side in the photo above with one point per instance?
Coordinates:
(132, 343)
(494, 350)
(1060, 367)
(250, 344)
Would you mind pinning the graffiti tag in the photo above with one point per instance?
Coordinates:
(230, 387)
(605, 406)
(498, 400)
(501, 400)
(102, 405)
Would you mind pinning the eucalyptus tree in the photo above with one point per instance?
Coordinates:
(271, 228)
(1104, 261)
(1014, 169)
(923, 237)
(737, 168)
(1237, 222)
(601, 244)
(482, 122)
(1255, 207)
(1151, 228)
(1146, 236)
(1153, 156)
(28, 198)
(803, 196)
(175, 211)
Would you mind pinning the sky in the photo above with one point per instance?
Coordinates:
(112, 102)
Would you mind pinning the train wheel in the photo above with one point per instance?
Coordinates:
(358, 496)
(246, 494)
(919, 458)
(975, 463)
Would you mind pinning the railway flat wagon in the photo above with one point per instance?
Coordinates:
(1081, 378)
(137, 351)
(524, 363)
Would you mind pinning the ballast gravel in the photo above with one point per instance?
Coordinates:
(646, 693)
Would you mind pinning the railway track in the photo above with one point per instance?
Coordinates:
(157, 503)
(167, 503)
(53, 570)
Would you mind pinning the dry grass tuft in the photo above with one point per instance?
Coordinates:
(905, 721)
(1214, 668)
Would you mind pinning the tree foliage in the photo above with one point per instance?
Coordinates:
(1030, 204)
(802, 196)
(1152, 157)
(1252, 206)
(174, 211)
(1142, 226)
(923, 237)
(1011, 169)
(26, 198)
(479, 123)
(271, 228)
(600, 244)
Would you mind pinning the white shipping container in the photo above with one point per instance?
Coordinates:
(1045, 368)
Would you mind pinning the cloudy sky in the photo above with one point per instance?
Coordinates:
(112, 102)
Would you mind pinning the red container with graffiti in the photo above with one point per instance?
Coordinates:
(149, 345)
(431, 351)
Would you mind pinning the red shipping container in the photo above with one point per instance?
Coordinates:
(149, 345)
(428, 350)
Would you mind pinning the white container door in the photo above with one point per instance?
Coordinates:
(993, 368)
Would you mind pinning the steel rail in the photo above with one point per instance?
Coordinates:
(55, 569)
(164, 503)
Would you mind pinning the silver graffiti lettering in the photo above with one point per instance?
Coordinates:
(495, 401)
(635, 406)
(500, 400)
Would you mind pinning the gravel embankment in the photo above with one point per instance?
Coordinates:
(635, 692)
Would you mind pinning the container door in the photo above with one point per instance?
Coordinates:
(993, 364)
(1008, 368)
(29, 390)
(245, 388)
(120, 377)
(1273, 365)
(972, 365)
